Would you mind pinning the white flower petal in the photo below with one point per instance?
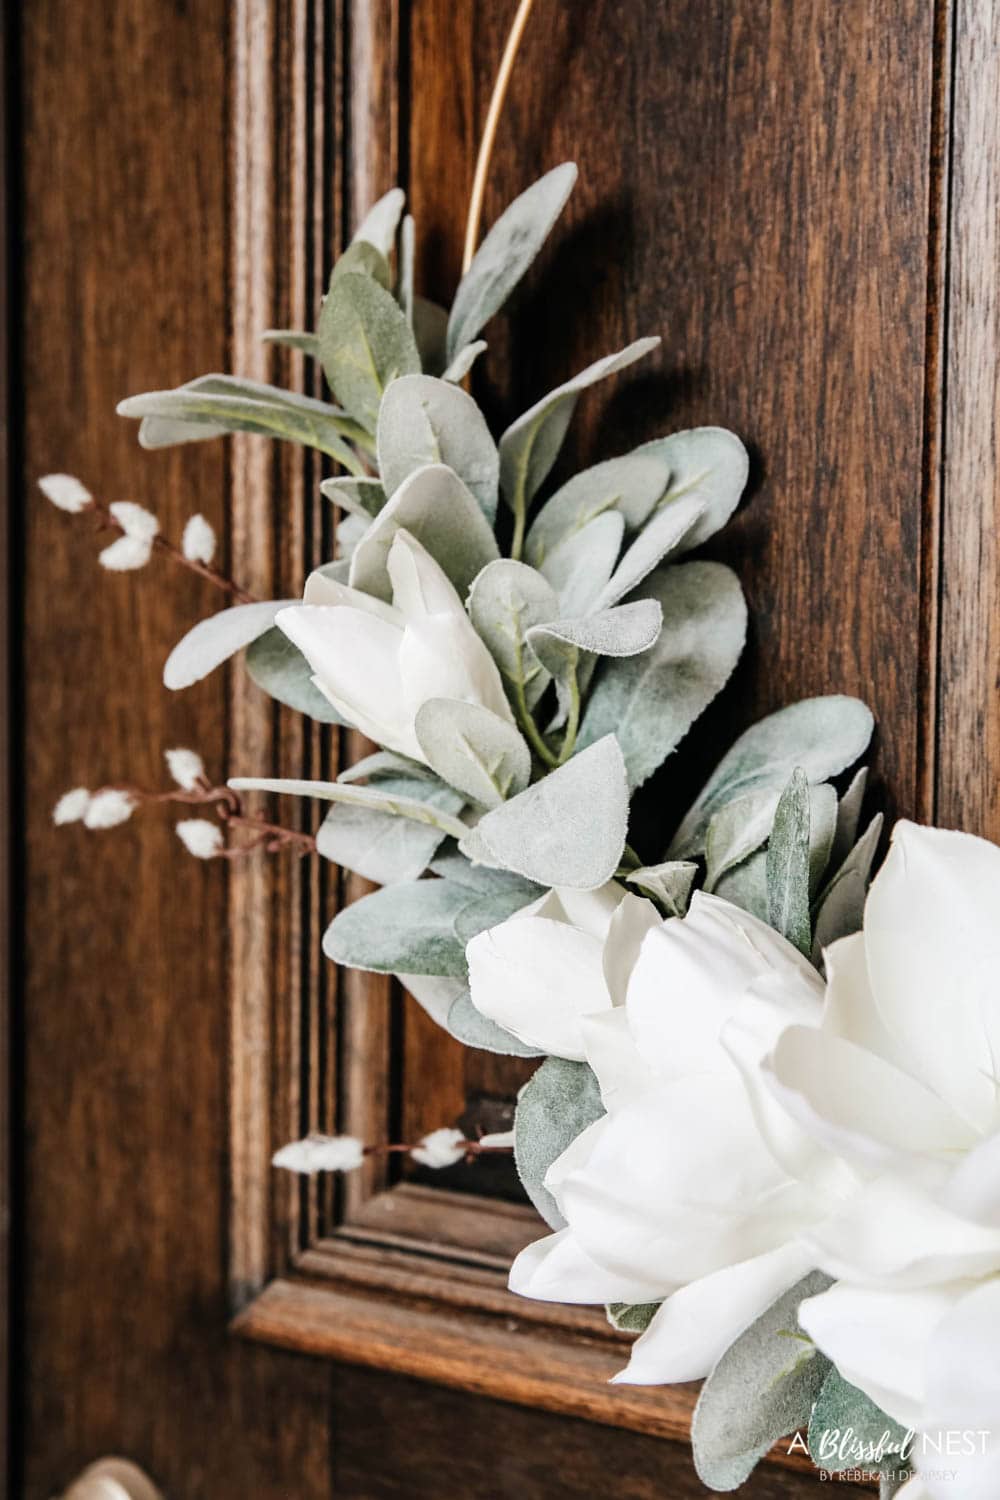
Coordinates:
(65, 491)
(611, 1051)
(441, 656)
(695, 1326)
(557, 1269)
(420, 586)
(963, 1396)
(932, 941)
(878, 1340)
(634, 917)
(850, 1010)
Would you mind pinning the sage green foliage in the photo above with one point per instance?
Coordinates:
(668, 884)
(283, 672)
(788, 865)
(376, 798)
(426, 421)
(365, 342)
(379, 845)
(841, 1408)
(762, 1388)
(474, 750)
(359, 497)
(556, 1105)
(632, 1317)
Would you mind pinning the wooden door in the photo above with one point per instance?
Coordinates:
(802, 198)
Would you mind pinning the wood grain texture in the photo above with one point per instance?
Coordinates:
(969, 721)
(124, 142)
(7, 709)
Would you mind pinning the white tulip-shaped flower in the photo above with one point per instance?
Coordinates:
(566, 956)
(378, 663)
(902, 1081)
(674, 1195)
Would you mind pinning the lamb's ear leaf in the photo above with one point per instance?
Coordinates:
(657, 540)
(745, 885)
(463, 361)
(379, 225)
(506, 253)
(553, 1108)
(434, 506)
(427, 421)
(822, 735)
(430, 329)
(382, 763)
(631, 1317)
(283, 672)
(379, 846)
(407, 256)
(669, 884)
(505, 601)
(840, 1406)
(743, 825)
(629, 486)
(530, 446)
(708, 462)
(292, 338)
(840, 908)
(569, 828)
(625, 630)
(788, 864)
(579, 566)
(214, 640)
(375, 798)
(365, 343)
(473, 749)
(402, 928)
(762, 1388)
(650, 701)
(467, 1025)
(849, 818)
(365, 260)
(359, 497)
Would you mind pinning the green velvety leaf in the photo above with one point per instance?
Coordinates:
(434, 993)
(822, 828)
(467, 1025)
(215, 639)
(632, 1317)
(669, 884)
(840, 908)
(822, 735)
(283, 672)
(386, 763)
(379, 225)
(450, 864)
(788, 864)
(407, 257)
(630, 486)
(848, 818)
(746, 885)
(530, 446)
(473, 749)
(350, 531)
(365, 344)
(430, 329)
(364, 259)
(760, 1390)
(376, 798)
(403, 928)
(650, 701)
(553, 1108)
(434, 506)
(292, 338)
(743, 825)
(359, 497)
(708, 462)
(505, 601)
(843, 1416)
(464, 360)
(569, 828)
(380, 846)
(506, 253)
(656, 541)
(213, 404)
(426, 421)
(624, 631)
(579, 566)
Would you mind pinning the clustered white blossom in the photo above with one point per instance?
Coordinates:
(198, 540)
(186, 767)
(200, 837)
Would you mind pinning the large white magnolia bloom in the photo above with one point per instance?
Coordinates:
(673, 1194)
(378, 663)
(902, 1081)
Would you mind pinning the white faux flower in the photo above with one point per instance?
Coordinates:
(200, 837)
(321, 1153)
(198, 540)
(379, 663)
(565, 956)
(186, 767)
(903, 1082)
(65, 491)
(673, 1194)
(126, 554)
(108, 808)
(72, 806)
(442, 1148)
(135, 520)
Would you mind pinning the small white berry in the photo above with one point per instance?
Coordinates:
(200, 837)
(126, 554)
(109, 808)
(198, 541)
(442, 1148)
(65, 491)
(135, 520)
(186, 767)
(72, 806)
(321, 1153)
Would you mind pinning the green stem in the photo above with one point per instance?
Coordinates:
(573, 718)
(517, 544)
(528, 725)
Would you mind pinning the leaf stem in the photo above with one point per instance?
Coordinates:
(573, 718)
(527, 723)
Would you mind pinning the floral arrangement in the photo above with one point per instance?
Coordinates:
(750, 1134)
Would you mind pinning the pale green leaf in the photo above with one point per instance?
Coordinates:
(708, 462)
(214, 640)
(359, 497)
(372, 797)
(283, 672)
(669, 884)
(292, 338)
(473, 749)
(788, 864)
(464, 360)
(842, 1409)
(579, 566)
(505, 601)
(379, 846)
(840, 908)
(427, 421)
(656, 541)
(402, 928)
(630, 486)
(365, 344)
(430, 329)
(469, 1026)
(553, 1108)
(379, 225)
